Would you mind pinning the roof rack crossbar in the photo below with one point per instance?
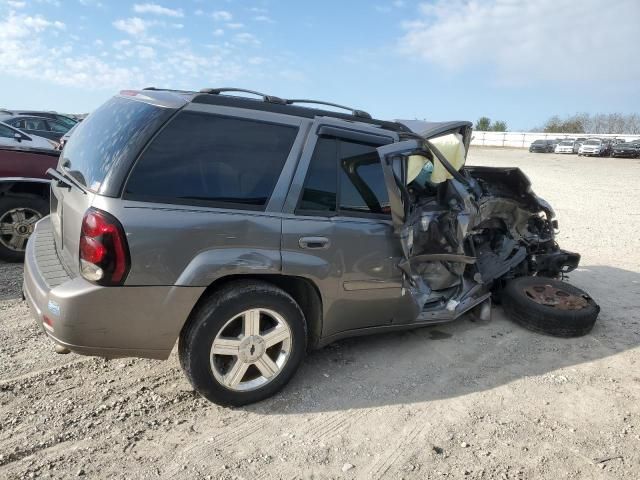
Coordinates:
(265, 97)
(354, 112)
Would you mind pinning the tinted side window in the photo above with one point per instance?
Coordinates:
(36, 124)
(354, 168)
(204, 159)
(57, 127)
(362, 186)
(321, 185)
(6, 132)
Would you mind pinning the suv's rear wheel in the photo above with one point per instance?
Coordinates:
(243, 344)
(18, 216)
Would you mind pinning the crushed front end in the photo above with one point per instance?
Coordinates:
(465, 230)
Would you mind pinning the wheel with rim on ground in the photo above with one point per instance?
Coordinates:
(549, 306)
(243, 343)
(18, 217)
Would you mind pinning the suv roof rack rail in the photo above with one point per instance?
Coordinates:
(265, 97)
(354, 112)
(167, 90)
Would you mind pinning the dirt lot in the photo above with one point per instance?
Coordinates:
(466, 400)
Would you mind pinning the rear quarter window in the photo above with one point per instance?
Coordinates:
(212, 160)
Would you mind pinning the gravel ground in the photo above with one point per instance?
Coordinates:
(465, 400)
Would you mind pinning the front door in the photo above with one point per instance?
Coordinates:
(342, 237)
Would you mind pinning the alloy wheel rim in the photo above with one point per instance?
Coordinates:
(251, 349)
(16, 225)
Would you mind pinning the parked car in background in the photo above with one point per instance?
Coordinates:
(43, 127)
(541, 146)
(24, 188)
(65, 138)
(64, 119)
(593, 146)
(567, 146)
(627, 150)
(14, 137)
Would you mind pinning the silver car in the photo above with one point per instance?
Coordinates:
(250, 230)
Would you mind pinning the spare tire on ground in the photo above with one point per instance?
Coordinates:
(549, 306)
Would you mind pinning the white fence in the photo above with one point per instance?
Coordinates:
(524, 139)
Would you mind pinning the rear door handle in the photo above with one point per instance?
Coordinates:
(314, 243)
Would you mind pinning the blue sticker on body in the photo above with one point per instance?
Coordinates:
(54, 308)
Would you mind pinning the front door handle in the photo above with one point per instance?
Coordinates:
(314, 243)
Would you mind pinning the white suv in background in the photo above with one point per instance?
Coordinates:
(567, 146)
(593, 146)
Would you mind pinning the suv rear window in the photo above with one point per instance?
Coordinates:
(112, 134)
(211, 160)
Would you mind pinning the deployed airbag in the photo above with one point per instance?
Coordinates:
(452, 147)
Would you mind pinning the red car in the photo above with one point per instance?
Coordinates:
(24, 196)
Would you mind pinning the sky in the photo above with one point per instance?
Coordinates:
(520, 61)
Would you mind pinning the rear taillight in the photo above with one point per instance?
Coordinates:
(104, 253)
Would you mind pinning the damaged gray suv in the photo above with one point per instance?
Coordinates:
(250, 230)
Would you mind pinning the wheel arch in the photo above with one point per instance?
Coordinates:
(302, 290)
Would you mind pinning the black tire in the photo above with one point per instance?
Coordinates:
(8, 203)
(545, 318)
(211, 315)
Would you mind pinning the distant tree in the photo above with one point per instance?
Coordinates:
(553, 125)
(483, 124)
(599, 123)
(499, 126)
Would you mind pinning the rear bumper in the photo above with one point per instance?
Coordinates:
(105, 321)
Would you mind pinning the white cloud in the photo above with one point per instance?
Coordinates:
(19, 26)
(263, 18)
(133, 26)
(156, 9)
(26, 54)
(523, 41)
(390, 6)
(16, 4)
(91, 3)
(235, 26)
(28, 50)
(246, 38)
(222, 15)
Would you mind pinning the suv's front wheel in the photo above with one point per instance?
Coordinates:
(243, 344)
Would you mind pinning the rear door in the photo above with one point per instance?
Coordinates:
(340, 233)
